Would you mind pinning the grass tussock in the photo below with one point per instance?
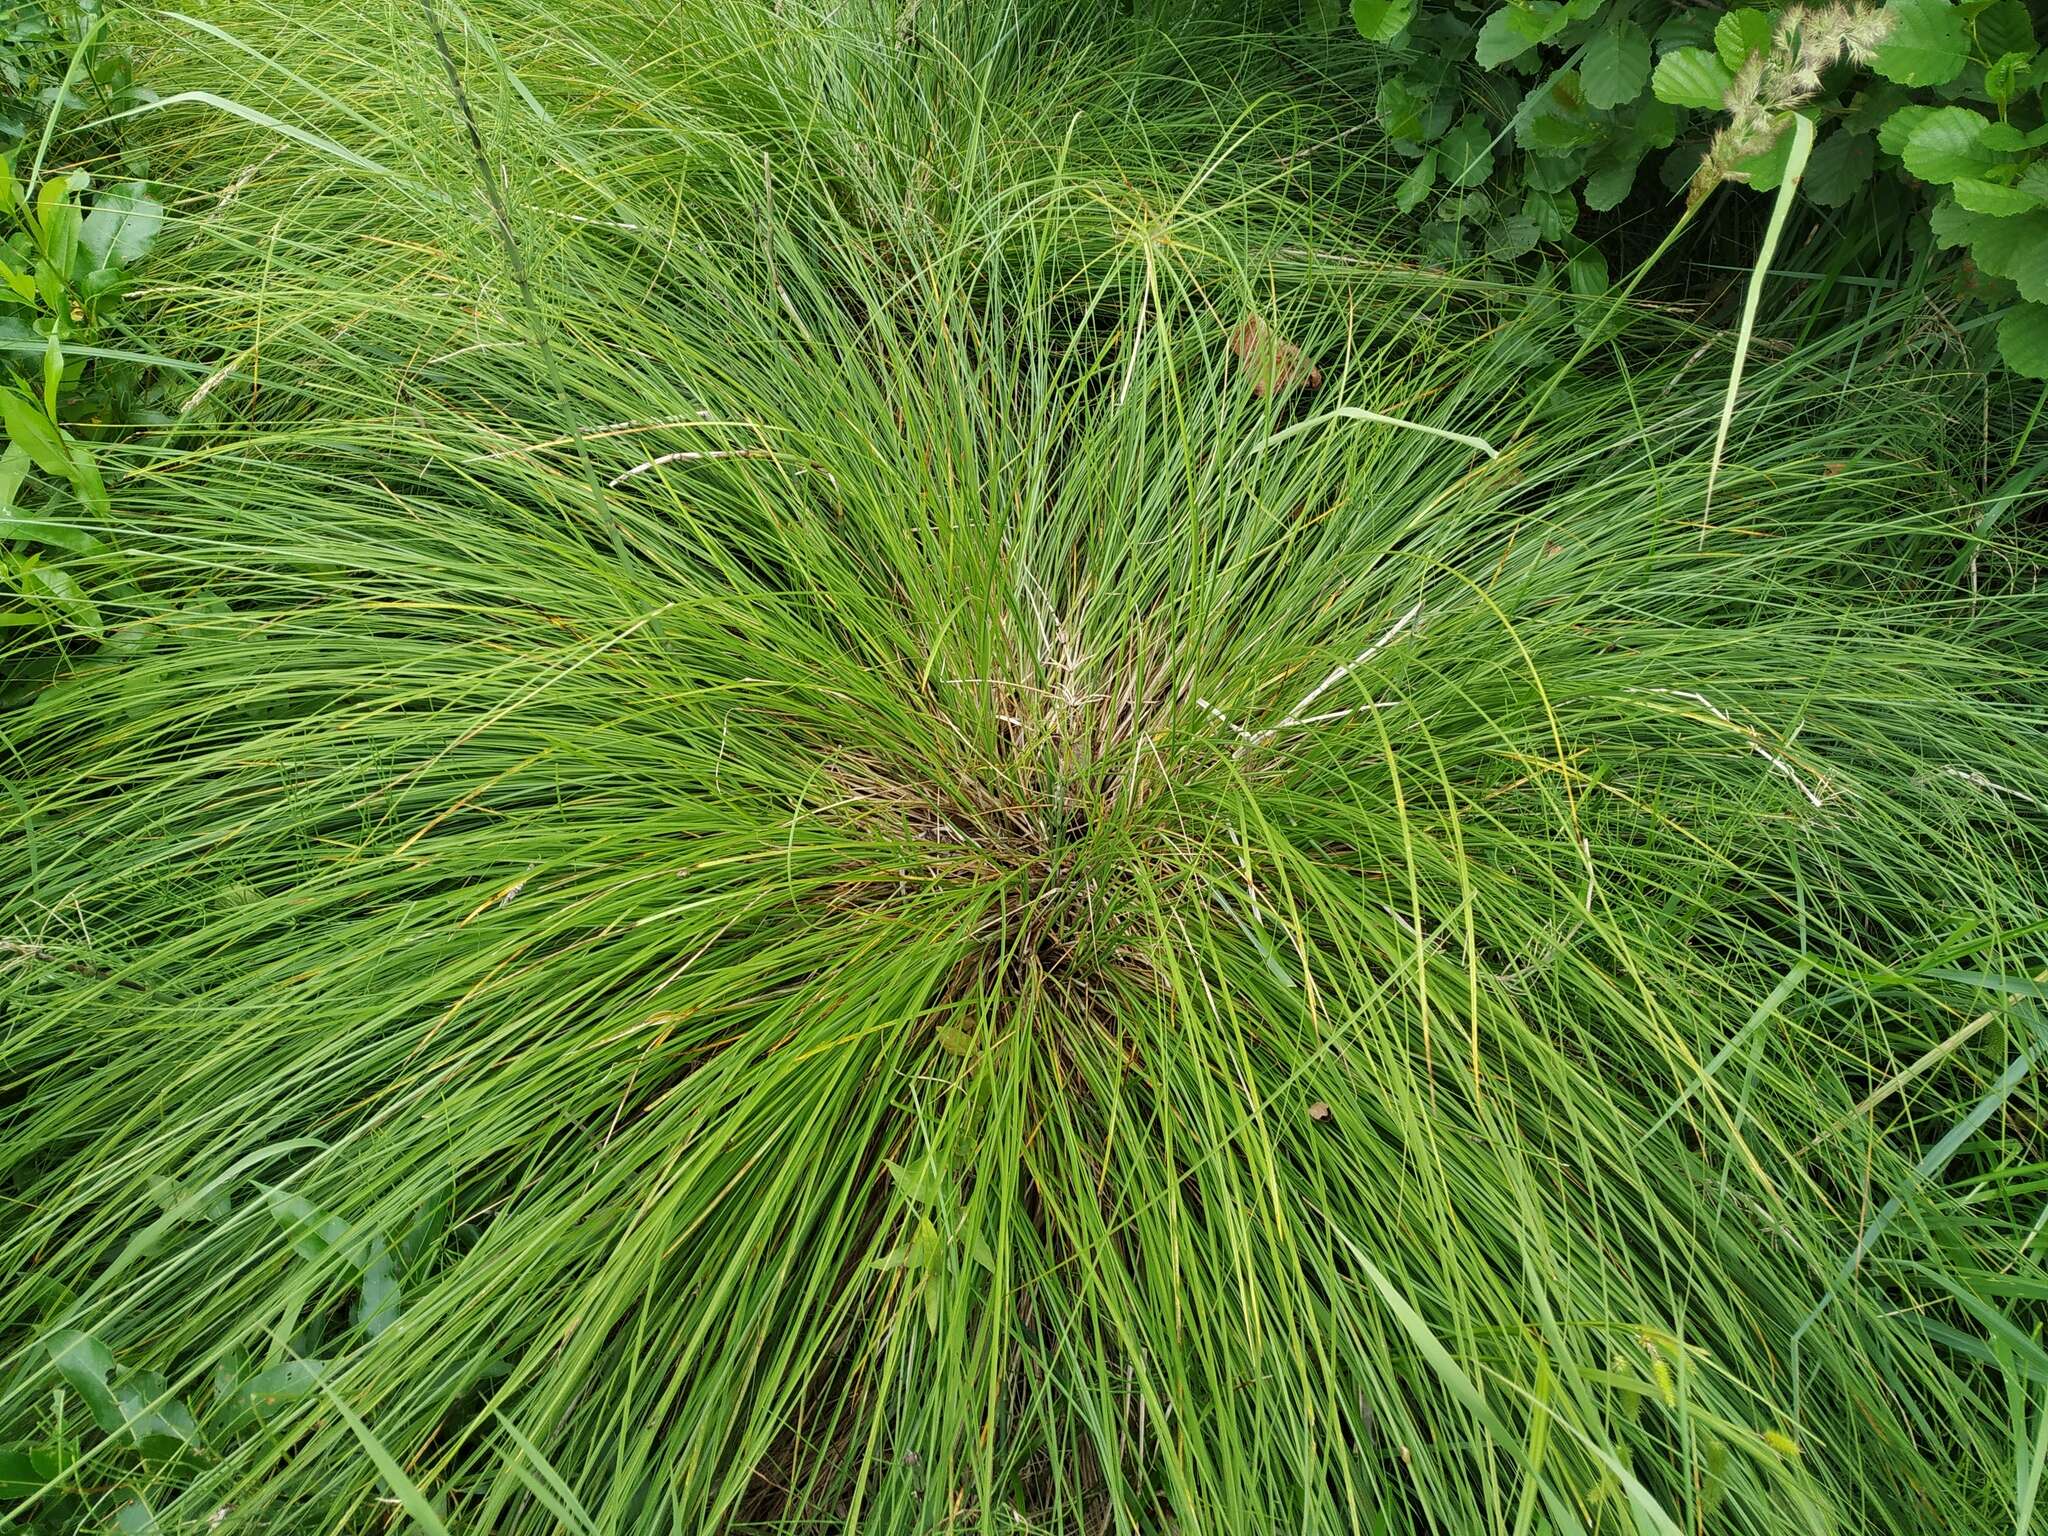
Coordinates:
(893, 882)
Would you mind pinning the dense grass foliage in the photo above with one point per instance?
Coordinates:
(828, 855)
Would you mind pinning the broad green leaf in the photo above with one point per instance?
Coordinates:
(290, 1382)
(1553, 172)
(48, 532)
(1381, 21)
(57, 215)
(1765, 171)
(84, 472)
(2005, 27)
(83, 1361)
(1513, 236)
(1501, 40)
(1555, 119)
(1871, 105)
(34, 433)
(1954, 225)
(124, 223)
(312, 1232)
(159, 1422)
(1585, 271)
(1740, 33)
(14, 467)
(1616, 65)
(136, 1518)
(1927, 44)
(378, 1306)
(1841, 164)
(2014, 247)
(1607, 186)
(1991, 197)
(1401, 105)
(1465, 152)
(2002, 137)
(922, 1182)
(1539, 19)
(58, 589)
(1947, 144)
(1897, 129)
(25, 1472)
(1552, 213)
(2023, 340)
(1415, 187)
(2005, 77)
(1691, 77)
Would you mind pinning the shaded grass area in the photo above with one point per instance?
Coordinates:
(783, 873)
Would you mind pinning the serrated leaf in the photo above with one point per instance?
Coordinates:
(1869, 107)
(1926, 45)
(2015, 248)
(2003, 28)
(1415, 187)
(1691, 77)
(1947, 144)
(2005, 77)
(1840, 165)
(2023, 340)
(1616, 65)
(1740, 33)
(1501, 40)
(1381, 21)
(1953, 225)
(1990, 197)
(1898, 128)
